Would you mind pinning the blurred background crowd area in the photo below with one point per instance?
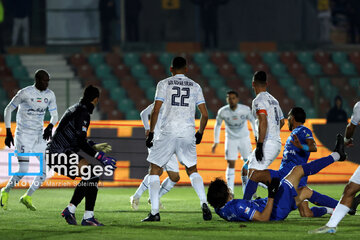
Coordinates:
(309, 48)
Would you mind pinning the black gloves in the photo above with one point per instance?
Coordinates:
(149, 139)
(273, 187)
(9, 138)
(259, 152)
(48, 132)
(198, 137)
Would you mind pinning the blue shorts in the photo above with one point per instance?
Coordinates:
(286, 168)
(284, 201)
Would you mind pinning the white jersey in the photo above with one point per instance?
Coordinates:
(266, 103)
(235, 122)
(145, 119)
(355, 117)
(180, 96)
(32, 104)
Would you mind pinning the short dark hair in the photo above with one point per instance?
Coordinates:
(178, 63)
(218, 193)
(299, 114)
(260, 77)
(90, 93)
(232, 92)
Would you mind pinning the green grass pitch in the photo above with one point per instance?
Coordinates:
(182, 219)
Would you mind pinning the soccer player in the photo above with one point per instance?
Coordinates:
(354, 183)
(68, 139)
(172, 167)
(296, 152)
(237, 134)
(281, 199)
(179, 96)
(269, 119)
(31, 102)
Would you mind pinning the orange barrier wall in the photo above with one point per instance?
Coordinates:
(210, 165)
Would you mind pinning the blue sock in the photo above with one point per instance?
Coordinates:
(318, 211)
(250, 189)
(315, 166)
(323, 200)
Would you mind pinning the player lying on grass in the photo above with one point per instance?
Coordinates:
(296, 152)
(172, 167)
(281, 199)
(69, 138)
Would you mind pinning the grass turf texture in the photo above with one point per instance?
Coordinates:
(182, 218)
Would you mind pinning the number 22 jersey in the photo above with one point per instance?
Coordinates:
(180, 96)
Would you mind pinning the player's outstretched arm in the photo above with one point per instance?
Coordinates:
(349, 132)
(310, 145)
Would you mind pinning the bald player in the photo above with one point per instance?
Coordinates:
(31, 102)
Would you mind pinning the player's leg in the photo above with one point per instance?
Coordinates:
(245, 149)
(134, 199)
(305, 210)
(231, 155)
(354, 205)
(172, 169)
(154, 189)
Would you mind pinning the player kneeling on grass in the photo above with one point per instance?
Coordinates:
(69, 138)
(281, 199)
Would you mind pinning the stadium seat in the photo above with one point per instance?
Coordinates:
(348, 69)
(303, 102)
(288, 57)
(227, 70)
(209, 70)
(139, 71)
(115, 115)
(294, 92)
(110, 84)
(106, 104)
(193, 69)
(339, 57)
(131, 59)
(279, 70)
(329, 91)
(219, 58)
(85, 71)
(113, 59)
(12, 61)
(146, 83)
(121, 71)
(296, 69)
(305, 57)
(244, 70)
(117, 93)
(355, 57)
(103, 71)
(222, 92)
(330, 69)
(261, 67)
(166, 58)
(132, 114)
(311, 113)
(78, 60)
(270, 57)
(149, 59)
(236, 58)
(24, 82)
(216, 83)
(2, 61)
(253, 58)
(354, 82)
(157, 71)
(150, 93)
(20, 72)
(125, 104)
(201, 58)
(96, 59)
(313, 69)
(322, 57)
(286, 82)
(5, 71)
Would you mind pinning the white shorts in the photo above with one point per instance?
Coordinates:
(355, 178)
(234, 146)
(271, 150)
(165, 146)
(29, 143)
(172, 165)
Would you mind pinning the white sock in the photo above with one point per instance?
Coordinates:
(339, 213)
(329, 210)
(23, 168)
(230, 178)
(244, 180)
(72, 208)
(154, 189)
(166, 186)
(335, 156)
(88, 214)
(198, 184)
(144, 185)
(35, 184)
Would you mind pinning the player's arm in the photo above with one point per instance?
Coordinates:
(310, 145)
(217, 129)
(262, 117)
(251, 118)
(14, 103)
(155, 114)
(282, 120)
(53, 120)
(349, 133)
(273, 188)
(203, 122)
(144, 115)
(282, 123)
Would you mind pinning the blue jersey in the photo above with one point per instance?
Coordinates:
(239, 210)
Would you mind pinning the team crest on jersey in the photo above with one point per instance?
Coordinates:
(46, 100)
(38, 100)
(247, 210)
